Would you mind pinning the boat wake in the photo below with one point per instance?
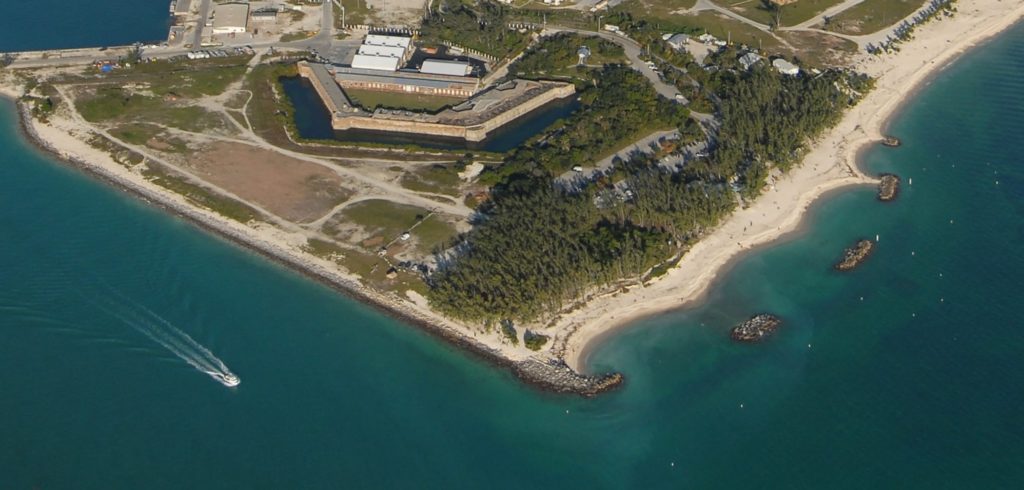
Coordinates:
(166, 334)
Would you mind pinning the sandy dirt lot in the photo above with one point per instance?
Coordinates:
(397, 12)
(292, 189)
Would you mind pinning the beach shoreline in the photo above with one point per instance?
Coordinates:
(552, 376)
(829, 166)
(899, 77)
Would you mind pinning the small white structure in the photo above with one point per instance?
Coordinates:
(583, 53)
(678, 41)
(371, 62)
(230, 18)
(446, 67)
(786, 68)
(749, 60)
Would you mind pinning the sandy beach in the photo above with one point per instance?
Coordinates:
(831, 164)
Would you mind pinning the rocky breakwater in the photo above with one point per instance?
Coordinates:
(756, 329)
(555, 375)
(891, 141)
(855, 255)
(888, 187)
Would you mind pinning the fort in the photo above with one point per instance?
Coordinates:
(472, 120)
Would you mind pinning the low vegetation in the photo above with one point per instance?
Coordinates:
(372, 99)
(872, 16)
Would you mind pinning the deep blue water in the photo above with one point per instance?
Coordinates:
(50, 24)
(917, 385)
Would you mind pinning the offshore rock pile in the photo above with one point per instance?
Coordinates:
(888, 187)
(855, 255)
(756, 328)
(891, 141)
(555, 375)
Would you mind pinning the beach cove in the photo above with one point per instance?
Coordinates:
(830, 164)
(901, 374)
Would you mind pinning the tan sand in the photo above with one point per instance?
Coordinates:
(830, 165)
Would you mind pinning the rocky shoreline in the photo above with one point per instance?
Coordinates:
(855, 255)
(756, 329)
(888, 187)
(548, 374)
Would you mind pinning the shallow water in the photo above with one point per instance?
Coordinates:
(918, 385)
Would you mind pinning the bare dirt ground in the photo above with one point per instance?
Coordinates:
(293, 189)
(397, 12)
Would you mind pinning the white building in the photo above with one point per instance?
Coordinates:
(382, 40)
(750, 59)
(230, 18)
(371, 62)
(786, 68)
(678, 41)
(380, 52)
(446, 67)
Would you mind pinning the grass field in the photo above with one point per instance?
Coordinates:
(723, 27)
(872, 16)
(114, 104)
(792, 14)
(389, 220)
(371, 99)
(437, 179)
(190, 80)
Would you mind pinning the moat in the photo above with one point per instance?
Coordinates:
(313, 121)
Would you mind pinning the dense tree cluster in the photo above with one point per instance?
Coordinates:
(539, 247)
(555, 53)
(482, 26)
(618, 106)
(768, 118)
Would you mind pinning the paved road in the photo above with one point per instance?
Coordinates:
(709, 5)
(204, 13)
(632, 50)
(835, 10)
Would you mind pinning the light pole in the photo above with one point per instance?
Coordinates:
(343, 24)
(598, 26)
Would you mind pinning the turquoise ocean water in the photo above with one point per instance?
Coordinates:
(917, 385)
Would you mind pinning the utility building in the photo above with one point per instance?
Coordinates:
(446, 67)
(373, 62)
(230, 18)
(385, 53)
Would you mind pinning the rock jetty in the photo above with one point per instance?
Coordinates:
(891, 141)
(756, 328)
(555, 375)
(855, 255)
(888, 187)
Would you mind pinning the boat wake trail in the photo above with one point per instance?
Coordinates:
(164, 333)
